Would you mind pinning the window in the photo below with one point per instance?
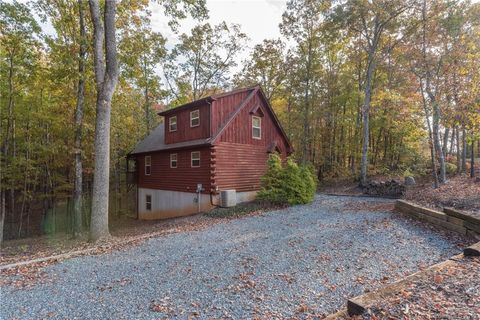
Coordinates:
(172, 123)
(195, 159)
(256, 127)
(173, 160)
(148, 165)
(195, 118)
(148, 202)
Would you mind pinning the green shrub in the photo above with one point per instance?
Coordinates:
(292, 183)
(450, 168)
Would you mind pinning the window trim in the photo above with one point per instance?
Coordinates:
(191, 159)
(198, 117)
(174, 160)
(147, 203)
(149, 165)
(259, 128)
(170, 120)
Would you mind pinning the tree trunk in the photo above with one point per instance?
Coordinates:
(2, 214)
(78, 184)
(432, 98)
(306, 111)
(6, 142)
(459, 156)
(106, 78)
(472, 160)
(430, 138)
(366, 116)
(357, 119)
(147, 99)
(445, 142)
(436, 137)
(464, 150)
(452, 140)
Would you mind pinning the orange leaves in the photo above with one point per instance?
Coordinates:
(438, 279)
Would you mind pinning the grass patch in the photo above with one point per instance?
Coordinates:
(242, 209)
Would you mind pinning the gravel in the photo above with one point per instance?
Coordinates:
(303, 261)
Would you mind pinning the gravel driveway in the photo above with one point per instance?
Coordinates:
(298, 262)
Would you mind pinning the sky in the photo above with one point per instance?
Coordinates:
(259, 20)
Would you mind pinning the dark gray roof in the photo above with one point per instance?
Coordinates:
(155, 141)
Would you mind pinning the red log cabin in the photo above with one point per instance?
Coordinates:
(217, 143)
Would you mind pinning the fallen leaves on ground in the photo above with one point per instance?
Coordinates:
(460, 192)
(131, 233)
(452, 292)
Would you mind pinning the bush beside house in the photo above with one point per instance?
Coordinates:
(290, 183)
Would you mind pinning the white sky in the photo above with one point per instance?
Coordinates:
(259, 19)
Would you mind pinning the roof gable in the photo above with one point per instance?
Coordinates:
(202, 101)
(256, 109)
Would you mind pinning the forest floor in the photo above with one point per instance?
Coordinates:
(460, 192)
(298, 262)
(453, 292)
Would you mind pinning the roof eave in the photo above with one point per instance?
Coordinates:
(187, 105)
(205, 144)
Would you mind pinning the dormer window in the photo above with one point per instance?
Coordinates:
(172, 123)
(256, 127)
(195, 118)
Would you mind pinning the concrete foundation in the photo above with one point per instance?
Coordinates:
(170, 204)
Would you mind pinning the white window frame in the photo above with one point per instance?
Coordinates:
(170, 123)
(259, 127)
(191, 159)
(195, 118)
(172, 160)
(148, 164)
(148, 202)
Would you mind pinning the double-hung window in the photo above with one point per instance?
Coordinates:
(148, 165)
(148, 202)
(195, 118)
(172, 123)
(173, 160)
(195, 159)
(256, 127)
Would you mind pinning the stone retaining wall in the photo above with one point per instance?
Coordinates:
(450, 218)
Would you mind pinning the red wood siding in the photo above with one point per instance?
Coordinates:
(224, 107)
(240, 129)
(183, 178)
(239, 166)
(184, 131)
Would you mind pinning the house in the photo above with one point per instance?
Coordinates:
(221, 142)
